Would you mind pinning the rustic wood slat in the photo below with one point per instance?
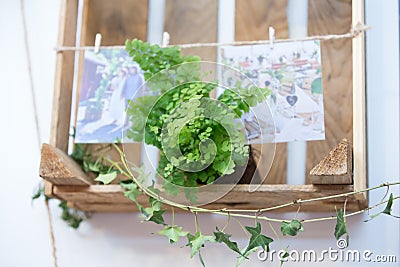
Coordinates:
(110, 198)
(359, 113)
(116, 20)
(192, 22)
(64, 76)
(59, 169)
(252, 19)
(336, 167)
(130, 207)
(332, 17)
(265, 196)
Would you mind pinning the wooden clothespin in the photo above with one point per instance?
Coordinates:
(271, 31)
(97, 42)
(165, 39)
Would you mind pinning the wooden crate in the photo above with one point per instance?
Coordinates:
(344, 168)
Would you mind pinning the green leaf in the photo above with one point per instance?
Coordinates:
(222, 237)
(195, 242)
(340, 228)
(152, 215)
(71, 216)
(291, 228)
(245, 255)
(257, 239)
(155, 204)
(131, 191)
(173, 233)
(388, 208)
(106, 178)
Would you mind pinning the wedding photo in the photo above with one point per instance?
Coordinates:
(110, 80)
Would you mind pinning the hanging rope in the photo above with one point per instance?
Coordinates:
(355, 31)
(37, 125)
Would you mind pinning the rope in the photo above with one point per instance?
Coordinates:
(37, 125)
(355, 31)
(53, 241)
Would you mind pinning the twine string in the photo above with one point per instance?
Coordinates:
(358, 29)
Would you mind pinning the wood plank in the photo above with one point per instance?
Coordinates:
(48, 189)
(116, 20)
(359, 112)
(64, 76)
(336, 167)
(239, 197)
(110, 198)
(193, 22)
(130, 207)
(333, 17)
(59, 169)
(253, 17)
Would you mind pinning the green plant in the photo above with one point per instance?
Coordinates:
(198, 137)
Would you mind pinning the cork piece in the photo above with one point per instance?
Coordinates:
(336, 167)
(59, 169)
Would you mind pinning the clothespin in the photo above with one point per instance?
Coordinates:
(165, 39)
(271, 31)
(97, 42)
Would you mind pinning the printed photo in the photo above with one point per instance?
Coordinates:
(109, 80)
(292, 70)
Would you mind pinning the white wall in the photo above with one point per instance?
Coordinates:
(120, 239)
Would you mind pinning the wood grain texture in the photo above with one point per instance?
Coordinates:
(253, 17)
(359, 113)
(192, 22)
(336, 167)
(116, 20)
(59, 169)
(64, 75)
(333, 17)
(110, 198)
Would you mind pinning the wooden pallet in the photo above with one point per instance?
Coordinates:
(343, 170)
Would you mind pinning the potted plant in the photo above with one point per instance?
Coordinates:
(199, 137)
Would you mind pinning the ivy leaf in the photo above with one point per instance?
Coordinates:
(173, 233)
(155, 204)
(291, 228)
(244, 255)
(222, 237)
(195, 242)
(152, 215)
(340, 228)
(257, 239)
(131, 191)
(387, 210)
(106, 178)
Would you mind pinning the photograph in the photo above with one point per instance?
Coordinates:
(110, 80)
(293, 73)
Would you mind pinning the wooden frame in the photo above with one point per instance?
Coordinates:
(64, 179)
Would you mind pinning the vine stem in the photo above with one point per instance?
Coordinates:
(235, 212)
